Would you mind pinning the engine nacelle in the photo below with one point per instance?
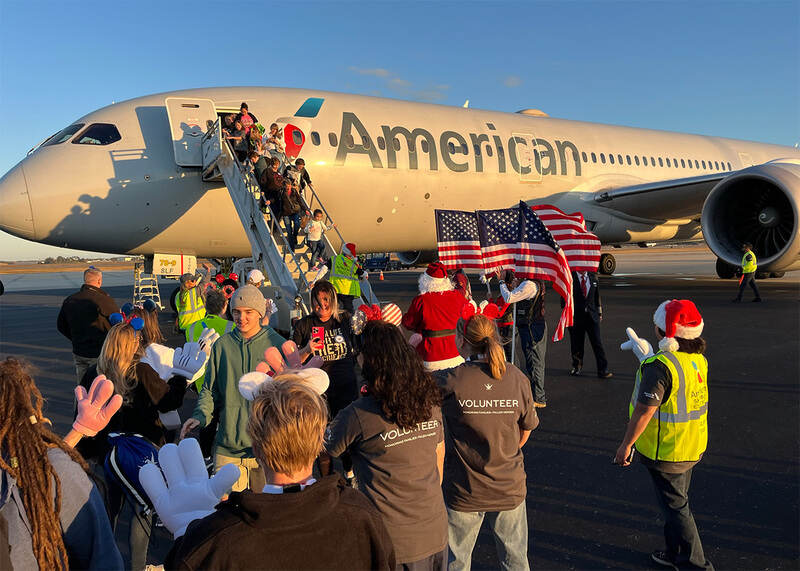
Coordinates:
(758, 205)
(416, 257)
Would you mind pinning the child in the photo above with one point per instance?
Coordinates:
(314, 230)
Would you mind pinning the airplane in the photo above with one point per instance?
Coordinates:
(117, 180)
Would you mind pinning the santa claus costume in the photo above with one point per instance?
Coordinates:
(434, 314)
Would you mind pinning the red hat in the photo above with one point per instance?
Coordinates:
(436, 270)
(677, 318)
(349, 248)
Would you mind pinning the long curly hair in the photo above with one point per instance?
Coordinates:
(395, 375)
(118, 358)
(25, 438)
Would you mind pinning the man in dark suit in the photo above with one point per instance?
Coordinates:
(586, 322)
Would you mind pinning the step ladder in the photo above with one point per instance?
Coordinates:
(266, 233)
(145, 286)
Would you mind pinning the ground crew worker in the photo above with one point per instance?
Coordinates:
(345, 275)
(190, 301)
(669, 424)
(749, 267)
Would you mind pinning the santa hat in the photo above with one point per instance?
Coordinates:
(677, 318)
(434, 279)
(349, 249)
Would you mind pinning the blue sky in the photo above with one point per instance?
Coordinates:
(720, 68)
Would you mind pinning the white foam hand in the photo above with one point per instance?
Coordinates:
(640, 347)
(188, 493)
(207, 339)
(274, 364)
(187, 360)
(415, 340)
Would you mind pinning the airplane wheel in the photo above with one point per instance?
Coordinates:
(172, 297)
(725, 270)
(762, 275)
(608, 264)
(777, 274)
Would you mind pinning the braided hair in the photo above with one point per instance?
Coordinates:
(25, 438)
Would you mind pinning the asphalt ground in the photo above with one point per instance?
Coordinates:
(584, 512)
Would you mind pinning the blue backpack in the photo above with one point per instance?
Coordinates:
(129, 452)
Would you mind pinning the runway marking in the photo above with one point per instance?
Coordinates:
(623, 284)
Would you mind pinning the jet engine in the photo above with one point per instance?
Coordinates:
(758, 205)
(416, 257)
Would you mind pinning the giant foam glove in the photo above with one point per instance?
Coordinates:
(207, 339)
(96, 408)
(273, 365)
(188, 493)
(415, 340)
(187, 360)
(640, 347)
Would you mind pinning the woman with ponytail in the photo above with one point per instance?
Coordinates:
(56, 517)
(488, 415)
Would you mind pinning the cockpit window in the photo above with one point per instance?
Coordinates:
(98, 134)
(63, 135)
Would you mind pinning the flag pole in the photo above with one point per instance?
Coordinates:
(514, 335)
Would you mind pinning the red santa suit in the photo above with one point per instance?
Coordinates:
(434, 314)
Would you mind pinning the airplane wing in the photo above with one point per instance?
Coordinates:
(662, 200)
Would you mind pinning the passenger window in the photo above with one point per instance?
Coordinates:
(644, 161)
(315, 138)
(636, 159)
(297, 137)
(704, 165)
(716, 165)
(424, 145)
(611, 159)
(63, 135)
(690, 163)
(381, 143)
(585, 158)
(489, 151)
(729, 166)
(98, 134)
(367, 143)
(396, 143)
(500, 152)
(451, 147)
(594, 158)
(477, 150)
(683, 164)
(603, 158)
(628, 159)
(660, 162)
(465, 149)
(696, 164)
(349, 141)
(412, 146)
(652, 161)
(668, 163)
(332, 139)
(619, 159)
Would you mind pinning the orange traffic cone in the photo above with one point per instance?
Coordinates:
(381, 278)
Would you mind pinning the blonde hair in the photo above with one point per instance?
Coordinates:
(481, 334)
(287, 424)
(326, 287)
(118, 358)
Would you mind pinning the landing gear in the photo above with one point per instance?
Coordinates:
(777, 274)
(607, 264)
(725, 270)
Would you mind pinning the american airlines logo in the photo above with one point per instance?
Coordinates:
(478, 152)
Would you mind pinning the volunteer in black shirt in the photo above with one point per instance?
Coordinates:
(336, 347)
(395, 439)
(489, 413)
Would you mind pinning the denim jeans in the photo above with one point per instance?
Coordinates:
(82, 365)
(534, 346)
(317, 252)
(748, 279)
(292, 224)
(680, 531)
(510, 530)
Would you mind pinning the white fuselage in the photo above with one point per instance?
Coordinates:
(131, 197)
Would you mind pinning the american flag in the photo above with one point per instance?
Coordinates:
(581, 247)
(457, 239)
(499, 234)
(540, 257)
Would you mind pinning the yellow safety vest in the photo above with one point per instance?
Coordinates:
(191, 307)
(195, 330)
(749, 267)
(678, 431)
(343, 276)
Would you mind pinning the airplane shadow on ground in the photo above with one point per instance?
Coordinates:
(138, 191)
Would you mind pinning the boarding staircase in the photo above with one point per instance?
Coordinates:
(145, 286)
(267, 233)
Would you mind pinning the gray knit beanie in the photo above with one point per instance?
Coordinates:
(251, 297)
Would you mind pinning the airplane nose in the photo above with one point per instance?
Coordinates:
(16, 216)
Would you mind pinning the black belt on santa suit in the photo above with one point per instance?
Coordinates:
(429, 333)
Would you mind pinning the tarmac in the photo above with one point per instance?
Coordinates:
(583, 512)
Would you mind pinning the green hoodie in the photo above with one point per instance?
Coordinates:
(231, 357)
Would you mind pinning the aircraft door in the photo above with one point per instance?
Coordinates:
(522, 152)
(188, 122)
